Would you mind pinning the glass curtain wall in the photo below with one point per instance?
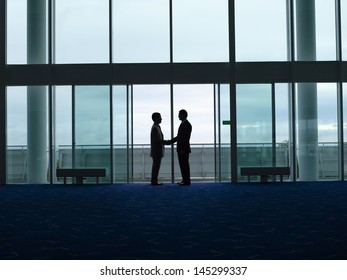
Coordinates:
(92, 147)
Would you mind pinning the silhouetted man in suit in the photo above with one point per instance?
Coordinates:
(183, 146)
(157, 147)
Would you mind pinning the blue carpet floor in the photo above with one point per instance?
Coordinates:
(201, 221)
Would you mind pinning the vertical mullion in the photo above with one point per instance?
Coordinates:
(50, 93)
(338, 30)
(171, 90)
(273, 117)
(340, 117)
(3, 160)
(291, 89)
(215, 129)
(110, 20)
(50, 128)
(233, 121)
(73, 108)
(111, 133)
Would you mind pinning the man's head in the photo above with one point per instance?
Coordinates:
(182, 114)
(156, 117)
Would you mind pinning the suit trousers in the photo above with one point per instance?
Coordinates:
(155, 169)
(183, 159)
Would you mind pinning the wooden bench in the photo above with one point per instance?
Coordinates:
(264, 172)
(81, 173)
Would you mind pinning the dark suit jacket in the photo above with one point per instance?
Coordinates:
(183, 136)
(157, 141)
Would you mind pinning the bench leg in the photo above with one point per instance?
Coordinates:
(79, 180)
(97, 180)
(64, 180)
(263, 178)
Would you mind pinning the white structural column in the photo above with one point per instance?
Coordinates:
(37, 95)
(307, 93)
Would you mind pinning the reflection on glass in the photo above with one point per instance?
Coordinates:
(200, 31)
(141, 31)
(92, 128)
(82, 31)
(261, 31)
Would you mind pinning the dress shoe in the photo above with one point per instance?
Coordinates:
(184, 183)
(156, 184)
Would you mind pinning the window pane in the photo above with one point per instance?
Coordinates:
(16, 31)
(223, 147)
(81, 31)
(254, 125)
(328, 148)
(325, 28)
(141, 31)
(121, 133)
(200, 31)
(26, 32)
(92, 128)
(261, 30)
(16, 135)
(316, 17)
(62, 128)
